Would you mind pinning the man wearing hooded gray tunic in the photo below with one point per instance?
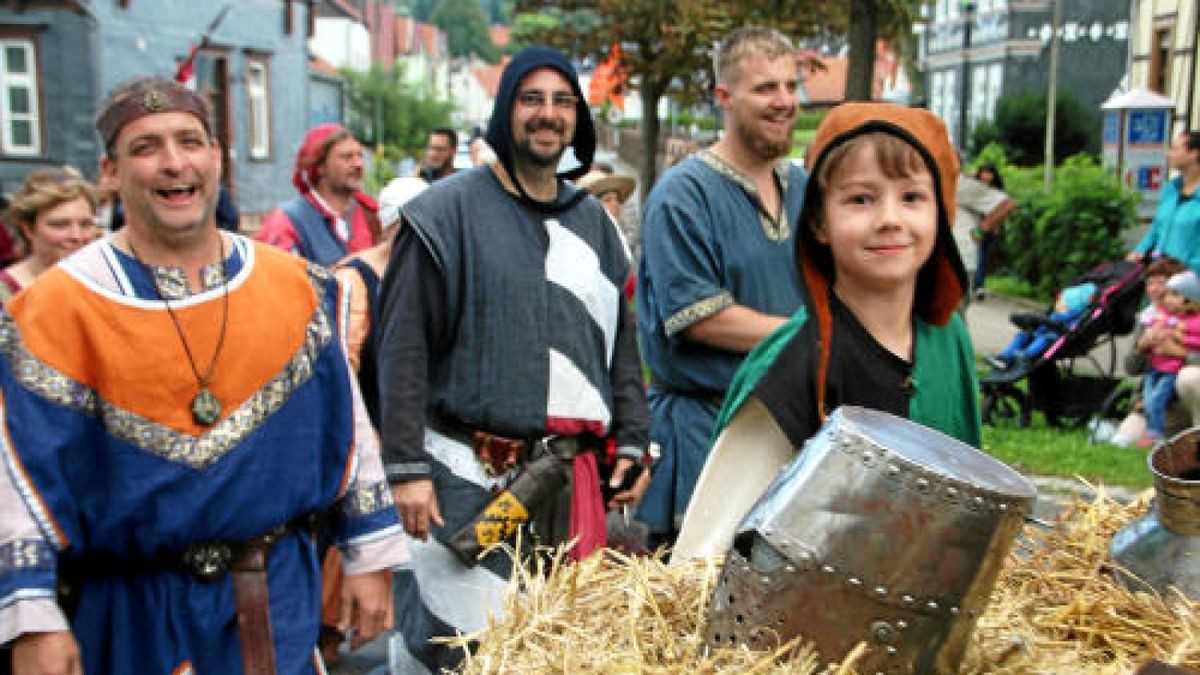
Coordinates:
(502, 319)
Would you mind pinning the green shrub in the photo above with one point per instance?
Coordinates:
(1050, 239)
(1019, 127)
(703, 120)
(809, 119)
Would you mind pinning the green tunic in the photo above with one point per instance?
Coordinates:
(939, 389)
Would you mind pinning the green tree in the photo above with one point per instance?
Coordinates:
(527, 27)
(466, 28)
(497, 11)
(1020, 128)
(388, 112)
(668, 45)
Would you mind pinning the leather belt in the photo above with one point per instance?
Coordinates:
(245, 562)
(499, 454)
(251, 601)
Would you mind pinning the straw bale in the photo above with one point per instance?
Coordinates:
(1056, 609)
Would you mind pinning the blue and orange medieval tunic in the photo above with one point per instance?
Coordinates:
(106, 469)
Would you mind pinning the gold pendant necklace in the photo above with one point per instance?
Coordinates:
(206, 407)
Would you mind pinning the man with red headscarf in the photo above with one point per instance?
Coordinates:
(331, 217)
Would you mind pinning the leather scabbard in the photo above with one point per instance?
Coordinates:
(253, 608)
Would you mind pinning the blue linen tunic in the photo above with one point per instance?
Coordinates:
(707, 245)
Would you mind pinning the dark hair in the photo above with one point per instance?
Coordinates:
(997, 180)
(1193, 140)
(1165, 266)
(448, 133)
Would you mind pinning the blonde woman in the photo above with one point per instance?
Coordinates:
(54, 215)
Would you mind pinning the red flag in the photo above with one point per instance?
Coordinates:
(185, 74)
(609, 80)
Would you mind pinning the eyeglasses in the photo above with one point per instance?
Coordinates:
(536, 99)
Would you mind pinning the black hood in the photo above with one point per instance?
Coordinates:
(499, 132)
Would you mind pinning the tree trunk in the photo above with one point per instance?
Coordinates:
(652, 91)
(860, 71)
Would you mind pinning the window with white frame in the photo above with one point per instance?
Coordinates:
(20, 125)
(979, 88)
(935, 92)
(995, 86)
(258, 96)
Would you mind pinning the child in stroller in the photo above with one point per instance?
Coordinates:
(1027, 345)
(1064, 377)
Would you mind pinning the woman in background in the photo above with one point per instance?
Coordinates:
(54, 215)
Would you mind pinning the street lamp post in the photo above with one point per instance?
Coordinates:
(968, 7)
(1052, 100)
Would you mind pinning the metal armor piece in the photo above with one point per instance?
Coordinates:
(1162, 549)
(881, 530)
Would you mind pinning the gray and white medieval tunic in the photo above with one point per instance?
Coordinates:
(499, 315)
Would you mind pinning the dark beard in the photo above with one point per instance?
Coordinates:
(524, 148)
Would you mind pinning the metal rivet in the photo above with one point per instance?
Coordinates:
(902, 624)
(882, 632)
(893, 470)
(1003, 506)
(790, 569)
(931, 605)
(923, 484)
(908, 599)
(880, 591)
(854, 581)
(829, 569)
(954, 611)
(892, 651)
(978, 500)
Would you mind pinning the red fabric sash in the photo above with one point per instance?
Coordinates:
(588, 525)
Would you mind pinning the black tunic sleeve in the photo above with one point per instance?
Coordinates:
(412, 324)
(631, 416)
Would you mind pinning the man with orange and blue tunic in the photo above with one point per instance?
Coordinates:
(177, 416)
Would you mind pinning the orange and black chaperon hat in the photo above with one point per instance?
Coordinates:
(942, 281)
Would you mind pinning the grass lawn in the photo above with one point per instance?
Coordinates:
(1048, 451)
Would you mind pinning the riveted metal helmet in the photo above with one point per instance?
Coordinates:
(1160, 550)
(881, 530)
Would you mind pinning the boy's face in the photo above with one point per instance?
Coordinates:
(880, 230)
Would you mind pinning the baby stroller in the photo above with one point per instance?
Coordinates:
(1067, 382)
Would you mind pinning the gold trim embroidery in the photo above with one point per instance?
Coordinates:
(196, 452)
(697, 311)
(23, 554)
(776, 231)
(364, 500)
